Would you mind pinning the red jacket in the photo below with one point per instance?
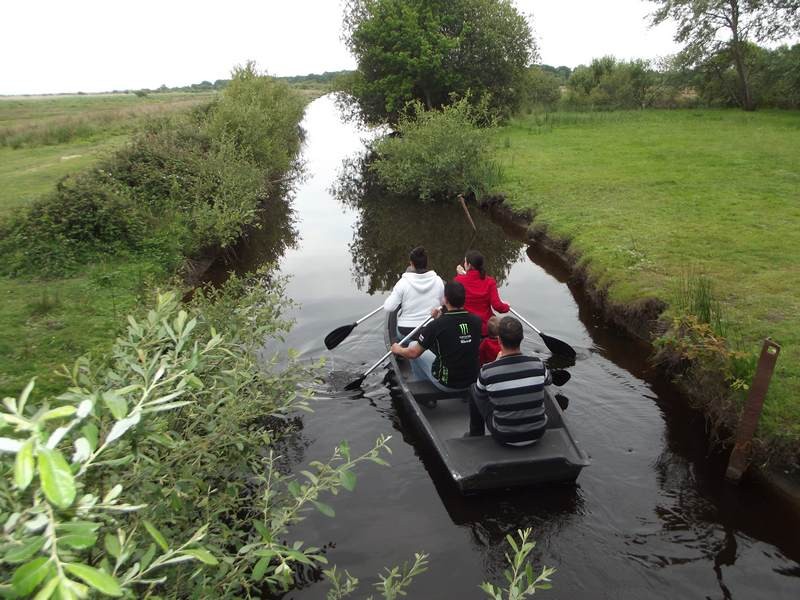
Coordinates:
(482, 296)
(488, 350)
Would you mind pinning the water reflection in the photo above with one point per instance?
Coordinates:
(388, 226)
(273, 233)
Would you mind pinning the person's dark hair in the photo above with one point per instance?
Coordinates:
(419, 258)
(455, 294)
(510, 332)
(475, 260)
(493, 326)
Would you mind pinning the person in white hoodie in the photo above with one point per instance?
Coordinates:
(419, 291)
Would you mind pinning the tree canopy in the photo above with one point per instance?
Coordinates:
(430, 50)
(714, 29)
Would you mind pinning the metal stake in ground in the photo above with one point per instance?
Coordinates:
(737, 463)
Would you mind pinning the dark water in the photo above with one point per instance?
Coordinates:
(651, 518)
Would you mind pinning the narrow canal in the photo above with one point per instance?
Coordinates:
(650, 518)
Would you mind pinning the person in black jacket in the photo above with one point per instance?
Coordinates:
(448, 346)
(508, 397)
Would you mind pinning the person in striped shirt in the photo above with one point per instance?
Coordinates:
(508, 397)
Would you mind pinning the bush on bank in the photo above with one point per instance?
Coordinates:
(185, 184)
(438, 153)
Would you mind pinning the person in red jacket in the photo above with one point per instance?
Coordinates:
(490, 346)
(481, 289)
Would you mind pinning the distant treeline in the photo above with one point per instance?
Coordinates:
(204, 86)
(608, 83)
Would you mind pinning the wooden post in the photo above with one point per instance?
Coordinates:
(466, 211)
(748, 422)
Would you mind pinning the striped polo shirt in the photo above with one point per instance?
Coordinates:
(515, 389)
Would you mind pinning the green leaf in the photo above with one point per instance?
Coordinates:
(47, 590)
(263, 531)
(78, 541)
(294, 488)
(27, 577)
(99, 580)
(324, 509)
(156, 535)
(59, 413)
(348, 480)
(23, 397)
(204, 556)
(90, 432)
(116, 404)
(23, 465)
(111, 542)
(147, 557)
(260, 569)
(24, 552)
(56, 478)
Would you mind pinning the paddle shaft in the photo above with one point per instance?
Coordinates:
(524, 320)
(365, 317)
(403, 341)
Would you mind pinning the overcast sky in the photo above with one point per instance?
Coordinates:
(92, 45)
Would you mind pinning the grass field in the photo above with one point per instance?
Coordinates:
(49, 120)
(648, 196)
(45, 323)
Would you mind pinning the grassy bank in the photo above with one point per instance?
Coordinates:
(172, 182)
(648, 196)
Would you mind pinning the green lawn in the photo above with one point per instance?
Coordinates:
(26, 173)
(647, 196)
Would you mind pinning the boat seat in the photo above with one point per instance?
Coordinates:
(425, 391)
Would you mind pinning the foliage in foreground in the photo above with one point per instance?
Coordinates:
(438, 153)
(522, 582)
(162, 467)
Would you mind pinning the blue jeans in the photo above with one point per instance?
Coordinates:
(422, 368)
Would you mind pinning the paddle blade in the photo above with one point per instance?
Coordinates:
(563, 401)
(355, 384)
(337, 336)
(560, 377)
(556, 346)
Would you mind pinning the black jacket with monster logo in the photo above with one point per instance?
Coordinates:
(455, 338)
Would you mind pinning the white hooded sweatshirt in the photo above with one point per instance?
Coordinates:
(416, 294)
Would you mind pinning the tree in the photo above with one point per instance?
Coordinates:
(709, 28)
(427, 50)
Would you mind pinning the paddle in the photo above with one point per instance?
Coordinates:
(559, 377)
(555, 345)
(356, 383)
(337, 336)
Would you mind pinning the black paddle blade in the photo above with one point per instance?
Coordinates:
(560, 377)
(355, 384)
(556, 346)
(337, 336)
(563, 401)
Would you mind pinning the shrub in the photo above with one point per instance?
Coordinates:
(173, 441)
(185, 185)
(438, 153)
(86, 214)
(260, 115)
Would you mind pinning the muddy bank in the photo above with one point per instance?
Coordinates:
(644, 320)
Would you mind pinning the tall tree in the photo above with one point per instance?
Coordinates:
(427, 50)
(711, 28)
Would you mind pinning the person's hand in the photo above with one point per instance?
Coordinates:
(436, 312)
(396, 348)
(460, 270)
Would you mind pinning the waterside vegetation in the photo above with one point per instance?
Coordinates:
(186, 185)
(648, 199)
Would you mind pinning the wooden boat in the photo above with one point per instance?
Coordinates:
(481, 463)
